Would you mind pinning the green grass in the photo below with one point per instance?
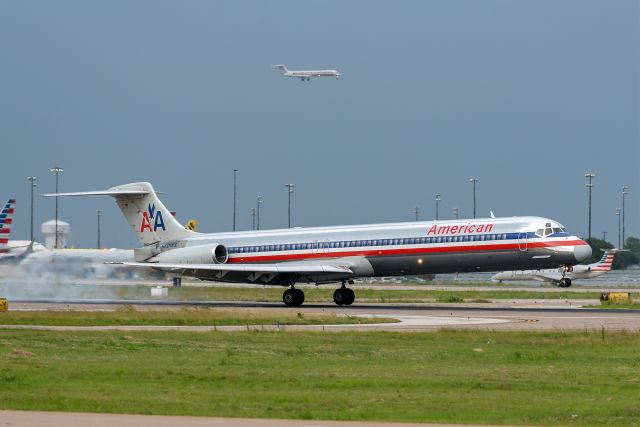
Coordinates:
(179, 317)
(324, 294)
(543, 378)
(608, 305)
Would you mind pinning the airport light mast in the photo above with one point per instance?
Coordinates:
(416, 211)
(455, 212)
(290, 190)
(33, 185)
(252, 211)
(619, 240)
(625, 191)
(235, 175)
(474, 181)
(57, 171)
(258, 203)
(604, 236)
(98, 215)
(589, 186)
(438, 199)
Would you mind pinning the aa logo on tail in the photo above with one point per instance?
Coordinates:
(149, 216)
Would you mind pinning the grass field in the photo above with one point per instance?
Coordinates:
(544, 378)
(324, 294)
(179, 317)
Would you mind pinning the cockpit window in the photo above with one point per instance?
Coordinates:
(540, 232)
(547, 231)
(557, 230)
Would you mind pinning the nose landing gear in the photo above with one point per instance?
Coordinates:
(293, 297)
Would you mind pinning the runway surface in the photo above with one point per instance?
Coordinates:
(73, 419)
(412, 317)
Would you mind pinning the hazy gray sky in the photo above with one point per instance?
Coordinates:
(525, 95)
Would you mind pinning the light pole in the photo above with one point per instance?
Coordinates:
(33, 185)
(625, 191)
(235, 174)
(589, 186)
(98, 215)
(258, 203)
(416, 211)
(57, 171)
(619, 241)
(455, 212)
(252, 211)
(438, 199)
(474, 181)
(604, 236)
(290, 190)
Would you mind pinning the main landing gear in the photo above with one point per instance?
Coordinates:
(293, 297)
(565, 282)
(344, 296)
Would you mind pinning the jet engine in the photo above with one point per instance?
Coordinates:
(203, 254)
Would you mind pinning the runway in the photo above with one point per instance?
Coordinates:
(411, 317)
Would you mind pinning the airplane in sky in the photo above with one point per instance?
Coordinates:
(559, 277)
(323, 255)
(307, 74)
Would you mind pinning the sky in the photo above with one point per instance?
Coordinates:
(527, 96)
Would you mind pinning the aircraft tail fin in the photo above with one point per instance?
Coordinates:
(283, 68)
(6, 218)
(605, 262)
(149, 219)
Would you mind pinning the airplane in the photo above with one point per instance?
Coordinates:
(560, 278)
(13, 250)
(338, 254)
(6, 218)
(307, 74)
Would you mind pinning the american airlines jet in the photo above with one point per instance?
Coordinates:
(307, 74)
(559, 277)
(340, 254)
(6, 218)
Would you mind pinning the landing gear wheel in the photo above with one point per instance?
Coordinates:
(351, 296)
(344, 296)
(564, 283)
(293, 297)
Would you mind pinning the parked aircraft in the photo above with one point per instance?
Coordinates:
(6, 218)
(307, 74)
(559, 277)
(12, 251)
(338, 254)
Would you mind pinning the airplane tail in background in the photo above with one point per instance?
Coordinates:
(605, 262)
(149, 219)
(283, 68)
(6, 218)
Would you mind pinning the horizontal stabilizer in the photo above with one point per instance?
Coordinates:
(99, 193)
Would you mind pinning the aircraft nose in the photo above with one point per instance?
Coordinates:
(582, 252)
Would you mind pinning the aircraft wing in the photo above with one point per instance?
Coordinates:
(287, 267)
(547, 277)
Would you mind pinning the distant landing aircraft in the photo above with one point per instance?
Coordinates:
(307, 74)
(559, 276)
